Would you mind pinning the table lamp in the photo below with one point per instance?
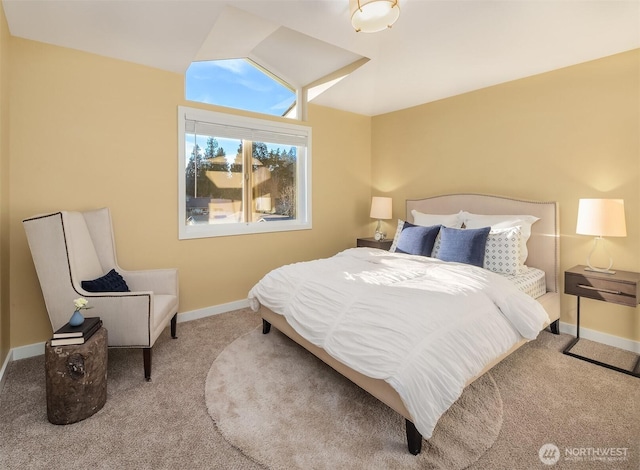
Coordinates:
(601, 218)
(381, 210)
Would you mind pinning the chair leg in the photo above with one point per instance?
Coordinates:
(146, 357)
(174, 322)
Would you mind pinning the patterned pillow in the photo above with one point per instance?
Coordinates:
(502, 251)
(504, 221)
(394, 244)
(436, 246)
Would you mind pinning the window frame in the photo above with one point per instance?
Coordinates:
(261, 127)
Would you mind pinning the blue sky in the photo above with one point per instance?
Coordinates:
(230, 146)
(235, 83)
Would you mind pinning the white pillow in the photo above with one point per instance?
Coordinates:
(502, 251)
(427, 220)
(504, 221)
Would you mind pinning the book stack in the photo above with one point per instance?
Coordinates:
(68, 334)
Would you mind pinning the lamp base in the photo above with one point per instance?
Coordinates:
(593, 268)
(379, 235)
(599, 270)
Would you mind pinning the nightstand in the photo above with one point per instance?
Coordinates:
(619, 288)
(373, 243)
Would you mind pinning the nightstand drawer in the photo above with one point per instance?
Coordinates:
(373, 243)
(608, 290)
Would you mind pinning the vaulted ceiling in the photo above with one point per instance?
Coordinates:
(436, 49)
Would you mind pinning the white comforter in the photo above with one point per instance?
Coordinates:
(423, 325)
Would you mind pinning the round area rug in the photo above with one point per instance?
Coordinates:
(284, 408)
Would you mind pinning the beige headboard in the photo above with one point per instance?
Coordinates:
(544, 244)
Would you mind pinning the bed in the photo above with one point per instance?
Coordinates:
(406, 397)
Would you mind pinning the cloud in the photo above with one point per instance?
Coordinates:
(236, 66)
(252, 84)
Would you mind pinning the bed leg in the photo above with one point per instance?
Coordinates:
(414, 438)
(555, 327)
(266, 327)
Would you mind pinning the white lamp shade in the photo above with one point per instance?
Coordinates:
(601, 218)
(381, 207)
(370, 16)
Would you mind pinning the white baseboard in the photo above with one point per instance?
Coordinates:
(213, 310)
(3, 371)
(37, 349)
(30, 350)
(604, 338)
(21, 352)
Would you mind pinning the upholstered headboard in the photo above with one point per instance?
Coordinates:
(544, 243)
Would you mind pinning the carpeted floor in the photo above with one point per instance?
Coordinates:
(547, 397)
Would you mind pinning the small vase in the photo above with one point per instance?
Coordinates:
(76, 319)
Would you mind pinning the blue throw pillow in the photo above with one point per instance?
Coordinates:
(417, 240)
(463, 245)
(110, 282)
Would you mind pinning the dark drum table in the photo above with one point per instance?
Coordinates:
(76, 379)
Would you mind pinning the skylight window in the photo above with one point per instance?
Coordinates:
(239, 84)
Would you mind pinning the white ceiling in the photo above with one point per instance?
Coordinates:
(436, 49)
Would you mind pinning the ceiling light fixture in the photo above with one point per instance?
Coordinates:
(371, 16)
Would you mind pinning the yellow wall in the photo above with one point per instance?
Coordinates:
(4, 187)
(568, 134)
(88, 131)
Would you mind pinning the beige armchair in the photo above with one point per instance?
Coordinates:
(71, 247)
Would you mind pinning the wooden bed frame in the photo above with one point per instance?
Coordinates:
(543, 247)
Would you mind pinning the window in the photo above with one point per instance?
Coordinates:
(240, 84)
(240, 175)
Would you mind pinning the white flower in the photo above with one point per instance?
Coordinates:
(81, 303)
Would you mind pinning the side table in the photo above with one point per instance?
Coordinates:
(373, 243)
(619, 288)
(76, 377)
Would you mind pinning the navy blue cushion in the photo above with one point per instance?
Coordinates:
(110, 282)
(417, 240)
(463, 245)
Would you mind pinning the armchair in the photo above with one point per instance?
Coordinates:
(70, 247)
